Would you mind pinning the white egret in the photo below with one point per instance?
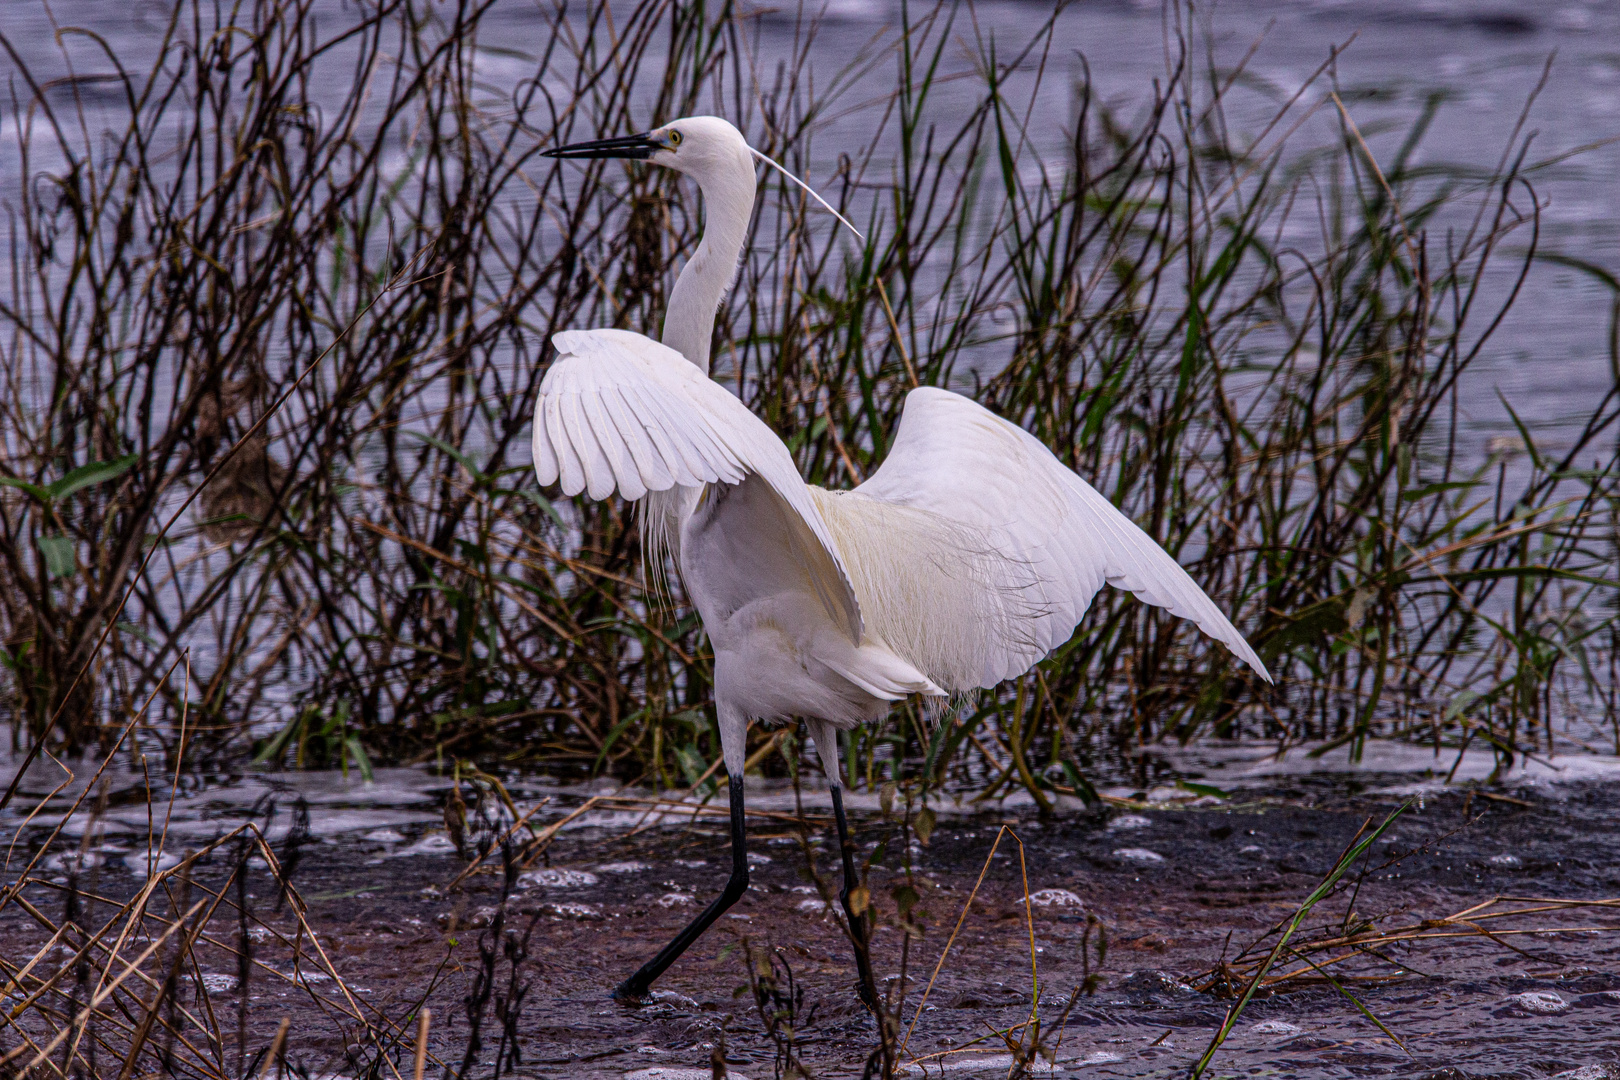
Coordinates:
(960, 563)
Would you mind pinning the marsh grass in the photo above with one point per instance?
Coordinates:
(1255, 343)
(1354, 950)
(159, 984)
(122, 989)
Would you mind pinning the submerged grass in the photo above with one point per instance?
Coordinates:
(1258, 349)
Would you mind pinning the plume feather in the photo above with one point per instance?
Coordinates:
(812, 191)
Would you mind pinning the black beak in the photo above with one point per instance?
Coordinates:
(639, 147)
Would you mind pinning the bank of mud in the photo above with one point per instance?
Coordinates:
(1175, 888)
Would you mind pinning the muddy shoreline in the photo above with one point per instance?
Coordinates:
(1175, 889)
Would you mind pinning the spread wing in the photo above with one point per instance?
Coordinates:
(1051, 537)
(619, 411)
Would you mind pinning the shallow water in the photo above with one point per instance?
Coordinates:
(408, 802)
(1178, 880)
(404, 804)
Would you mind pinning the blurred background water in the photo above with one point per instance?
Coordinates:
(1482, 59)
(1493, 72)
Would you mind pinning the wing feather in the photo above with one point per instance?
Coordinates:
(615, 443)
(620, 412)
(688, 467)
(651, 461)
(1051, 539)
(598, 471)
(546, 465)
(570, 470)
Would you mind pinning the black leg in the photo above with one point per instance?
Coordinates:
(857, 923)
(635, 988)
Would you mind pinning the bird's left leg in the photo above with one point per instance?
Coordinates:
(733, 737)
(825, 736)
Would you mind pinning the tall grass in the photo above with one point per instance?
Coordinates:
(319, 260)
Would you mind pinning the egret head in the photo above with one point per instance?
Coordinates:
(716, 155)
(706, 148)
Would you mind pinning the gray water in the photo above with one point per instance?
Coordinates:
(1549, 360)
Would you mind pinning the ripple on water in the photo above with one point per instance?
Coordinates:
(1100, 1057)
(973, 1062)
(1599, 999)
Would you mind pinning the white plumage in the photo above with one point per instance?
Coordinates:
(968, 556)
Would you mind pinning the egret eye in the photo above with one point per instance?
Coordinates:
(674, 139)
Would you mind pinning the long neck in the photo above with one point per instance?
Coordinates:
(689, 323)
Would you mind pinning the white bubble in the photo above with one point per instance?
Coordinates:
(217, 982)
(1539, 1003)
(554, 878)
(431, 844)
(1136, 854)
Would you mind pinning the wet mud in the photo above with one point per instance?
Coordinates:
(1173, 887)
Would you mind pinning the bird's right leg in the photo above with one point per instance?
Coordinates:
(825, 736)
(733, 737)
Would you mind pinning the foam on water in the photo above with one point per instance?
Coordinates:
(398, 812)
(1392, 767)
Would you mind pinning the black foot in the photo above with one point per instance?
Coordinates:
(866, 997)
(627, 993)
